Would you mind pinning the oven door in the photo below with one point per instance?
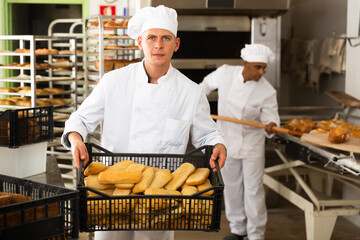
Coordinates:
(207, 42)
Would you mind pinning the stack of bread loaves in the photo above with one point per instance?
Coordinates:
(153, 186)
(338, 130)
(20, 217)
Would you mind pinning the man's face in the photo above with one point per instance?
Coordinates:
(254, 70)
(158, 46)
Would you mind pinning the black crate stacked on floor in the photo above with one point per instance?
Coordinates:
(26, 126)
(51, 212)
(107, 213)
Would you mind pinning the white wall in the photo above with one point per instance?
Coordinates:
(306, 20)
(352, 86)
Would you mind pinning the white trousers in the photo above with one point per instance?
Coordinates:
(244, 196)
(134, 235)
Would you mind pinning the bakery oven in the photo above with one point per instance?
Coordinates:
(212, 33)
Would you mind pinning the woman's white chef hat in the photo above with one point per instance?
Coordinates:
(257, 53)
(152, 17)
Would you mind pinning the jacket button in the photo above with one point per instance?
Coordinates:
(134, 137)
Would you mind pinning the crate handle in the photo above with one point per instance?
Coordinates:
(79, 172)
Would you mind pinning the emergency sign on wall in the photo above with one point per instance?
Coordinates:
(107, 10)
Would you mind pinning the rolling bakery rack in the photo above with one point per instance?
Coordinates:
(316, 170)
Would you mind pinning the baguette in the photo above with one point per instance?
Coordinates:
(207, 184)
(147, 177)
(120, 176)
(95, 168)
(92, 181)
(198, 177)
(180, 175)
(161, 178)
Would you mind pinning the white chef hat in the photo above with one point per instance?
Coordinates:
(152, 17)
(257, 53)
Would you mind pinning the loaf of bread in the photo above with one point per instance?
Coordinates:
(110, 24)
(24, 103)
(190, 205)
(5, 200)
(7, 90)
(56, 101)
(95, 168)
(159, 203)
(147, 177)
(161, 178)
(92, 181)
(22, 50)
(338, 135)
(301, 125)
(180, 175)
(53, 51)
(42, 51)
(120, 165)
(20, 217)
(6, 102)
(207, 184)
(155, 191)
(198, 177)
(120, 176)
(136, 166)
(124, 185)
(54, 90)
(42, 102)
(106, 191)
(16, 198)
(121, 192)
(318, 131)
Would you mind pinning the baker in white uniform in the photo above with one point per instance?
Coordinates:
(146, 107)
(245, 94)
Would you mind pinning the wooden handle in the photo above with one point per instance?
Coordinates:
(254, 124)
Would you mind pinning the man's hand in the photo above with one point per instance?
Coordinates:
(78, 149)
(219, 151)
(269, 127)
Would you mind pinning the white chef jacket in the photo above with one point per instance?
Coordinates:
(139, 117)
(250, 101)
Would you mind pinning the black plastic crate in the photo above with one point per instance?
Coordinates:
(52, 212)
(194, 212)
(25, 126)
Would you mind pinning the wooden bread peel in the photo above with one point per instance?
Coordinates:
(254, 124)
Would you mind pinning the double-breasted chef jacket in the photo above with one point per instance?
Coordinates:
(250, 101)
(139, 117)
